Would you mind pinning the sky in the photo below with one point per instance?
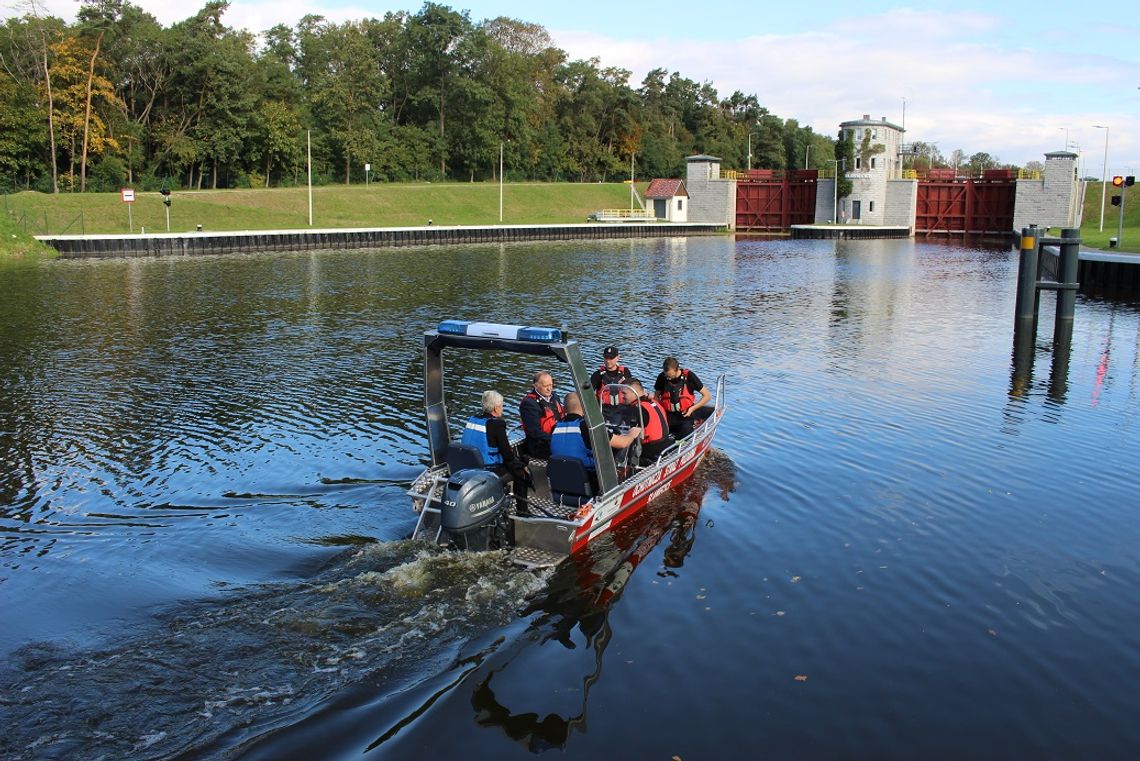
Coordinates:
(1012, 78)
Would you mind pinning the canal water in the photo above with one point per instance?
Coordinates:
(904, 545)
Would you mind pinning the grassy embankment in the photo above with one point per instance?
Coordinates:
(334, 206)
(16, 243)
(1091, 234)
(382, 205)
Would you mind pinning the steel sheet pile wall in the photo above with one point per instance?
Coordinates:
(200, 244)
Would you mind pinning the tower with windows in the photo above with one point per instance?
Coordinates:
(878, 160)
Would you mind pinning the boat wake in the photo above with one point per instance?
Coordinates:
(213, 676)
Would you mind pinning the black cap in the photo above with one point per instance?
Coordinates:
(610, 352)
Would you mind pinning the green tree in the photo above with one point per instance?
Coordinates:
(347, 94)
(433, 36)
(845, 161)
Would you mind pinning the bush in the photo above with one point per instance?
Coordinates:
(108, 176)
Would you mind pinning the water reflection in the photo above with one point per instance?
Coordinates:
(580, 596)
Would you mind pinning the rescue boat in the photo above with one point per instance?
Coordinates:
(461, 504)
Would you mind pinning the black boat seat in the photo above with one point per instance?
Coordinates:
(569, 481)
(463, 457)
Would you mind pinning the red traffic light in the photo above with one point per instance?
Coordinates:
(1118, 181)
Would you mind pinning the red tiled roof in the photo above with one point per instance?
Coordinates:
(666, 189)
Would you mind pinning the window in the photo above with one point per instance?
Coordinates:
(870, 207)
(874, 134)
(858, 161)
(872, 162)
(680, 204)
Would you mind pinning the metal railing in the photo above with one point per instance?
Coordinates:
(623, 214)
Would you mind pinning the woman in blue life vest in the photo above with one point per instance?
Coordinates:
(539, 410)
(676, 390)
(487, 432)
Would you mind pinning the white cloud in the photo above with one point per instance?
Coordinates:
(963, 89)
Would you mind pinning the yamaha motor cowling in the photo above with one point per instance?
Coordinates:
(474, 511)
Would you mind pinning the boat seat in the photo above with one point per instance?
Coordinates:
(569, 481)
(463, 457)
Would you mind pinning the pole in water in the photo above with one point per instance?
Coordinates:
(1027, 275)
(1067, 278)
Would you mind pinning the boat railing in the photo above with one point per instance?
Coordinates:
(700, 433)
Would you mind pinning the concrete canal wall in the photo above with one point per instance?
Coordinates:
(848, 232)
(206, 243)
(1100, 272)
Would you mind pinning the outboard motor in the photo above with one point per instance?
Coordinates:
(473, 513)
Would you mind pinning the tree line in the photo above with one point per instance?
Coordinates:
(117, 98)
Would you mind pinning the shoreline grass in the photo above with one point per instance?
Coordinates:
(375, 205)
(30, 213)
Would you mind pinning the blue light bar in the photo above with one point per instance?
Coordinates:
(545, 335)
(453, 327)
(499, 330)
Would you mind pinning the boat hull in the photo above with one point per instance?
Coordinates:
(612, 511)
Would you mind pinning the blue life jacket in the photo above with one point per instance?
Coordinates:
(566, 441)
(475, 434)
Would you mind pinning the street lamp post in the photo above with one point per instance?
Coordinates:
(750, 129)
(1103, 174)
(807, 152)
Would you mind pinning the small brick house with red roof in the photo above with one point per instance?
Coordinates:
(670, 200)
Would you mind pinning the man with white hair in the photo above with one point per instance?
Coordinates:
(487, 432)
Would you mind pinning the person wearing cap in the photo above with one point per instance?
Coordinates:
(539, 410)
(676, 390)
(611, 371)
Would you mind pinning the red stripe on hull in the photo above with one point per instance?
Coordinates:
(633, 504)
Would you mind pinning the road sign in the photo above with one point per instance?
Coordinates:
(128, 195)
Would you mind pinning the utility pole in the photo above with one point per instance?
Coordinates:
(1120, 223)
(1103, 175)
(309, 154)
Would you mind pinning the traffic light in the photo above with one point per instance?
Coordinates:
(1116, 200)
(1118, 181)
(165, 196)
(1129, 181)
